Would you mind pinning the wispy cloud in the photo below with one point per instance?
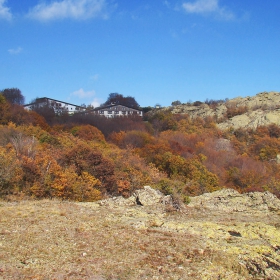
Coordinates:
(96, 102)
(82, 94)
(5, 11)
(73, 9)
(87, 96)
(15, 51)
(166, 3)
(95, 77)
(206, 7)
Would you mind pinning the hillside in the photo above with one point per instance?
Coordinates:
(87, 158)
(211, 238)
(247, 112)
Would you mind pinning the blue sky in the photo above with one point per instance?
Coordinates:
(157, 51)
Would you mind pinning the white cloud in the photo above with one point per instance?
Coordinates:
(88, 95)
(83, 94)
(5, 11)
(74, 9)
(15, 51)
(96, 102)
(207, 6)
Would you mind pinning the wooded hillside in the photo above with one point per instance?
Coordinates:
(87, 158)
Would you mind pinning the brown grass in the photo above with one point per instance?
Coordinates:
(66, 240)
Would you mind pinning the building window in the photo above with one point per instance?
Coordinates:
(110, 112)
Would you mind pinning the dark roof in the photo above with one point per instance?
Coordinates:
(112, 105)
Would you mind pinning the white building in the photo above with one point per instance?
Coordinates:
(58, 106)
(112, 111)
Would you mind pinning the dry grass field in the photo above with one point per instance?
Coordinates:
(50, 239)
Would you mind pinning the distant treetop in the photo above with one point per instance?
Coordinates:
(13, 96)
(119, 99)
(175, 103)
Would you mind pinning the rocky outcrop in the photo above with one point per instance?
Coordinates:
(148, 196)
(261, 109)
(264, 100)
(142, 197)
(236, 236)
(229, 200)
(252, 119)
(226, 200)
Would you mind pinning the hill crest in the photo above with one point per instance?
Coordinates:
(239, 112)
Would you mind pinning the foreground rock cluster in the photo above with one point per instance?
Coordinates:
(242, 231)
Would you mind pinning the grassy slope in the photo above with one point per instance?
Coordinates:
(50, 239)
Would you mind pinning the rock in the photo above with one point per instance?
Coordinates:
(252, 119)
(117, 201)
(144, 197)
(232, 236)
(261, 109)
(229, 200)
(148, 196)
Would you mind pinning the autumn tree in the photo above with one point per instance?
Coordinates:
(10, 171)
(4, 109)
(88, 132)
(162, 121)
(266, 148)
(133, 139)
(86, 159)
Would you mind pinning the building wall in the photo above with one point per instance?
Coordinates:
(108, 111)
(57, 105)
(117, 111)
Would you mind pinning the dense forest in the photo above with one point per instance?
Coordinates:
(83, 157)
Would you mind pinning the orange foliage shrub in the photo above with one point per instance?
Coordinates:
(86, 159)
(233, 110)
(132, 139)
(88, 132)
(117, 138)
(10, 172)
(123, 188)
(244, 173)
(266, 148)
(43, 177)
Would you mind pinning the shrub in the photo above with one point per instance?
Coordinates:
(10, 172)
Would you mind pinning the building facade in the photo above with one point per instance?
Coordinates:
(58, 106)
(112, 111)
